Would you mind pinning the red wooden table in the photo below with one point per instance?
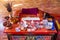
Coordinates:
(41, 31)
(37, 32)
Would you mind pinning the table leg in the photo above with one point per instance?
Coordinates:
(9, 36)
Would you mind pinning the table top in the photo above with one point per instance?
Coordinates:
(40, 31)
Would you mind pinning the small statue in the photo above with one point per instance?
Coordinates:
(7, 22)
